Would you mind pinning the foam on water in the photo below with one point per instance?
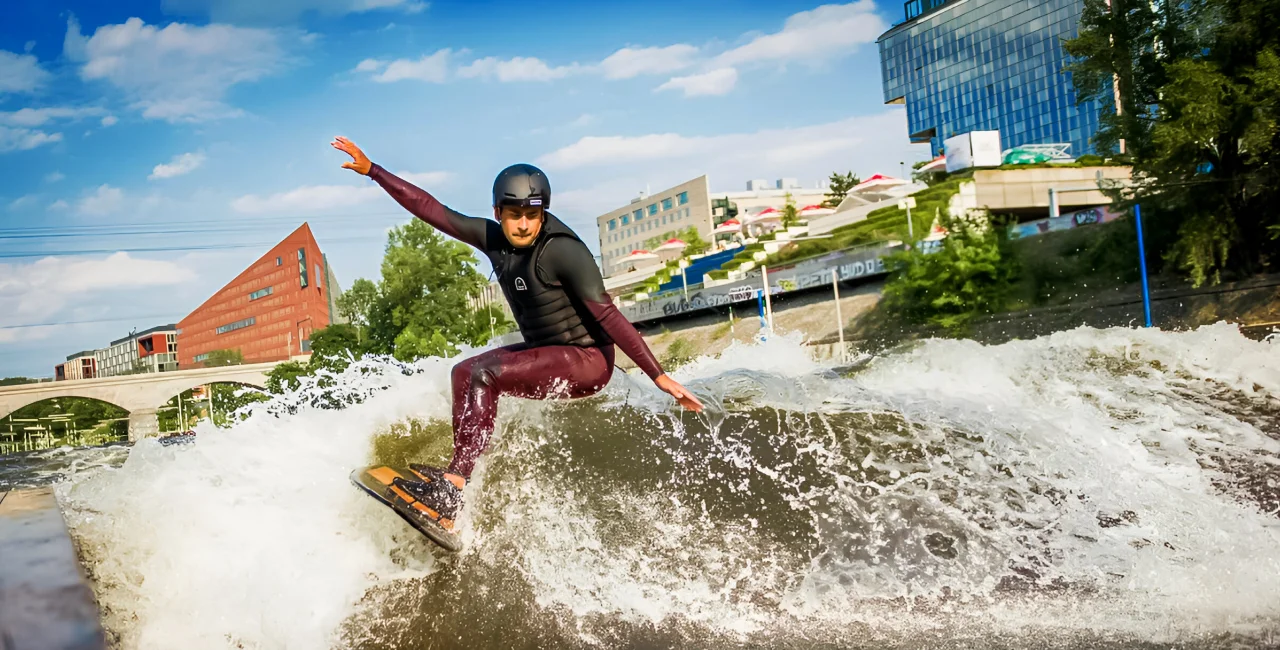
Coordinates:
(1116, 482)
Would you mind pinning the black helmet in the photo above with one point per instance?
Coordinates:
(522, 185)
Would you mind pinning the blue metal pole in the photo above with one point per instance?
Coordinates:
(1142, 263)
(760, 308)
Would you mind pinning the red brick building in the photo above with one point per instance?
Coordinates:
(268, 311)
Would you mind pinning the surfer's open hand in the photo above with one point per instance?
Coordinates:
(682, 394)
(359, 162)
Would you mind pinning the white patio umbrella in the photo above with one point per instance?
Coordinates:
(671, 244)
(728, 227)
(815, 211)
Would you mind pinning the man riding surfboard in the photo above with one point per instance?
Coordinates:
(557, 296)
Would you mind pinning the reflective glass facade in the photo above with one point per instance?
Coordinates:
(978, 65)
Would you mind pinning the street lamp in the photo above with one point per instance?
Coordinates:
(907, 204)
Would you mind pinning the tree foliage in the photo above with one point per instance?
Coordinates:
(969, 276)
(837, 187)
(1199, 86)
(790, 216)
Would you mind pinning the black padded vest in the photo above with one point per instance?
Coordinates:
(545, 312)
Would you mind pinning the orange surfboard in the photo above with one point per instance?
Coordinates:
(376, 481)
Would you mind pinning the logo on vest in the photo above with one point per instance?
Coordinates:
(520, 284)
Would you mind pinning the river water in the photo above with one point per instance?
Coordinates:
(1093, 488)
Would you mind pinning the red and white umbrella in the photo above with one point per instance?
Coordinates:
(730, 226)
(671, 244)
(638, 255)
(769, 214)
(879, 182)
(815, 210)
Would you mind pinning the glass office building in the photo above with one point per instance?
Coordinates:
(979, 65)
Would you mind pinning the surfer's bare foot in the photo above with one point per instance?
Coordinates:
(458, 481)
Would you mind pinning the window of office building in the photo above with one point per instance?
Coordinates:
(231, 327)
(666, 204)
(638, 214)
(279, 261)
(613, 224)
(682, 198)
(302, 267)
(626, 220)
(260, 293)
(653, 209)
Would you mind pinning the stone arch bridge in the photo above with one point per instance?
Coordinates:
(140, 395)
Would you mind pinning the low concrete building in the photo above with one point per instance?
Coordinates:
(81, 365)
(153, 350)
(651, 218)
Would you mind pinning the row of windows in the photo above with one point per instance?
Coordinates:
(636, 216)
(236, 325)
(260, 293)
(201, 357)
(648, 226)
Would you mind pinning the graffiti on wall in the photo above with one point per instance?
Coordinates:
(793, 278)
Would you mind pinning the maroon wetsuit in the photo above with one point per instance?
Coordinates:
(569, 322)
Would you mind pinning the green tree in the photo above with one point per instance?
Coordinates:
(356, 303)
(285, 375)
(969, 276)
(422, 302)
(837, 187)
(15, 381)
(694, 243)
(789, 215)
(222, 358)
(1215, 157)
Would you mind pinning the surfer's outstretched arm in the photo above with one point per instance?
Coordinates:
(419, 203)
(569, 263)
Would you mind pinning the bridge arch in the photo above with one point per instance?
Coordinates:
(51, 421)
(140, 395)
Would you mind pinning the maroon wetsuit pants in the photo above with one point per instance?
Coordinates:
(549, 371)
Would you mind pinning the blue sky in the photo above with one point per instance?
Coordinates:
(201, 127)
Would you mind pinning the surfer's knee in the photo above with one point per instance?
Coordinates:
(484, 373)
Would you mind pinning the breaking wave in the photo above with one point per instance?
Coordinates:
(1115, 487)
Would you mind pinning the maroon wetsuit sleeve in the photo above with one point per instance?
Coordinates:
(569, 263)
(468, 230)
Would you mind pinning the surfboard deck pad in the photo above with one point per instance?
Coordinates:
(376, 481)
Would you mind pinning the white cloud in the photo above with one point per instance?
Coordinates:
(28, 46)
(20, 73)
(54, 177)
(110, 120)
(324, 198)
(633, 62)
(23, 201)
(36, 291)
(824, 32)
(179, 73)
(105, 200)
(281, 11)
(520, 68)
(24, 139)
(34, 117)
(181, 164)
(432, 67)
(602, 173)
(715, 82)
(60, 204)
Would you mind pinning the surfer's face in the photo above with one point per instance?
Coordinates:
(520, 225)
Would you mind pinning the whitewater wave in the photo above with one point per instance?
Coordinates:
(1104, 484)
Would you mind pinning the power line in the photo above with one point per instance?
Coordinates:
(159, 249)
(86, 322)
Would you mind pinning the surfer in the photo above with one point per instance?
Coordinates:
(557, 296)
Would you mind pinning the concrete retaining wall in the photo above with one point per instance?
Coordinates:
(45, 602)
